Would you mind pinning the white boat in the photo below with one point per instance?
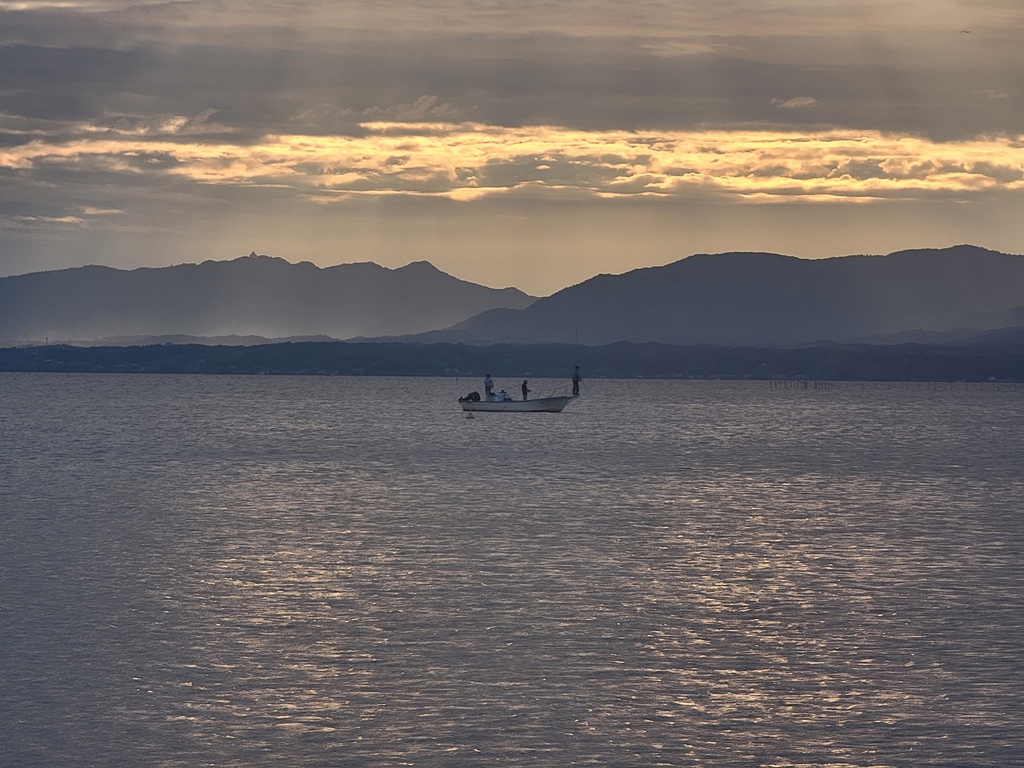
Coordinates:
(503, 402)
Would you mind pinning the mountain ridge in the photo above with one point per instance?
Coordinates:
(253, 295)
(767, 299)
(747, 298)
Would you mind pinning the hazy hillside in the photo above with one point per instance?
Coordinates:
(763, 299)
(254, 295)
(731, 299)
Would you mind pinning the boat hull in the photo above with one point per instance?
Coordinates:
(539, 405)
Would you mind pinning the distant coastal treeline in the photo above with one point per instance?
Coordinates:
(840, 362)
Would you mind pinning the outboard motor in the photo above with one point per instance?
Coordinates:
(472, 397)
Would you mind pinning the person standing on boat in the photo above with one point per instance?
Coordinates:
(576, 381)
(526, 392)
(488, 387)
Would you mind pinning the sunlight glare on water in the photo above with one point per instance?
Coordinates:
(349, 572)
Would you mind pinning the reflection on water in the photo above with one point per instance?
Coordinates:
(348, 572)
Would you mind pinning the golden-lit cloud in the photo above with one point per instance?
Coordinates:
(467, 161)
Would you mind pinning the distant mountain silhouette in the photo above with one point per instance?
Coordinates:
(950, 296)
(251, 296)
(765, 299)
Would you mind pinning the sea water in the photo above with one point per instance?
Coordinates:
(313, 571)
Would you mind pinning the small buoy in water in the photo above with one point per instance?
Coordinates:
(469, 415)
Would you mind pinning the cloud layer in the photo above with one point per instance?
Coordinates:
(119, 119)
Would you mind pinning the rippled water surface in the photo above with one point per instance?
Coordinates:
(349, 572)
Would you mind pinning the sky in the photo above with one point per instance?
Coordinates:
(529, 143)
